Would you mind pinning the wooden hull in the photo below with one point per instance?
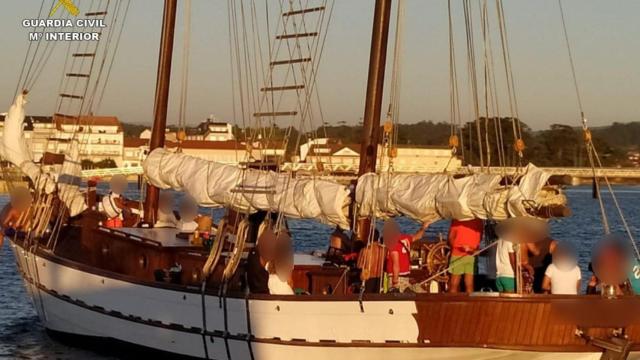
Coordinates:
(74, 298)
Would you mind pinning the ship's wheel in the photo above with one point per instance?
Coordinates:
(436, 259)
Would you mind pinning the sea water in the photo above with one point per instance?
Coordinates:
(22, 336)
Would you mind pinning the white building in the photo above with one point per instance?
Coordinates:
(217, 131)
(100, 137)
(346, 157)
(226, 152)
(205, 131)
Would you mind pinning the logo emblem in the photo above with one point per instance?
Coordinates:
(68, 4)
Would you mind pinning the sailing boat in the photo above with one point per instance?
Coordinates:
(87, 280)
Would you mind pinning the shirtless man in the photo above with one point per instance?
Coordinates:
(536, 257)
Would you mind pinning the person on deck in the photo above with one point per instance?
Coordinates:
(562, 276)
(258, 261)
(536, 257)
(113, 204)
(166, 216)
(505, 266)
(464, 239)
(339, 245)
(188, 216)
(280, 269)
(399, 253)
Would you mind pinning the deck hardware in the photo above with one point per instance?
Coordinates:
(615, 347)
(390, 311)
(142, 261)
(277, 307)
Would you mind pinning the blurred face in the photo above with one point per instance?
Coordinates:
(390, 232)
(166, 202)
(564, 258)
(118, 184)
(188, 209)
(610, 262)
(284, 266)
(267, 243)
(21, 198)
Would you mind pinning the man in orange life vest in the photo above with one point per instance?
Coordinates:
(399, 253)
(113, 205)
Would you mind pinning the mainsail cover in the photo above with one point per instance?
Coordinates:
(213, 184)
(441, 196)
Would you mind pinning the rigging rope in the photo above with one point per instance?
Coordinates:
(456, 140)
(182, 111)
(511, 91)
(594, 159)
(471, 64)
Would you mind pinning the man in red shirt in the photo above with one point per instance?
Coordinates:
(399, 253)
(464, 239)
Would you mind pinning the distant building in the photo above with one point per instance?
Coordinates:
(100, 137)
(335, 154)
(134, 151)
(227, 152)
(39, 130)
(216, 131)
(423, 159)
(330, 152)
(205, 131)
(634, 158)
(169, 135)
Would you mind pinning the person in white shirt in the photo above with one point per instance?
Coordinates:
(188, 215)
(113, 204)
(563, 275)
(166, 217)
(280, 269)
(505, 266)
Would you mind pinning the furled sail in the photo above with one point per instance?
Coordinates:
(70, 179)
(16, 151)
(441, 196)
(214, 184)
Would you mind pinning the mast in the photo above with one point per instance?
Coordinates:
(161, 100)
(373, 103)
(375, 86)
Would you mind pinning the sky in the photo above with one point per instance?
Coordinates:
(605, 40)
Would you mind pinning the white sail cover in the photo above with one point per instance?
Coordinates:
(441, 196)
(16, 151)
(214, 184)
